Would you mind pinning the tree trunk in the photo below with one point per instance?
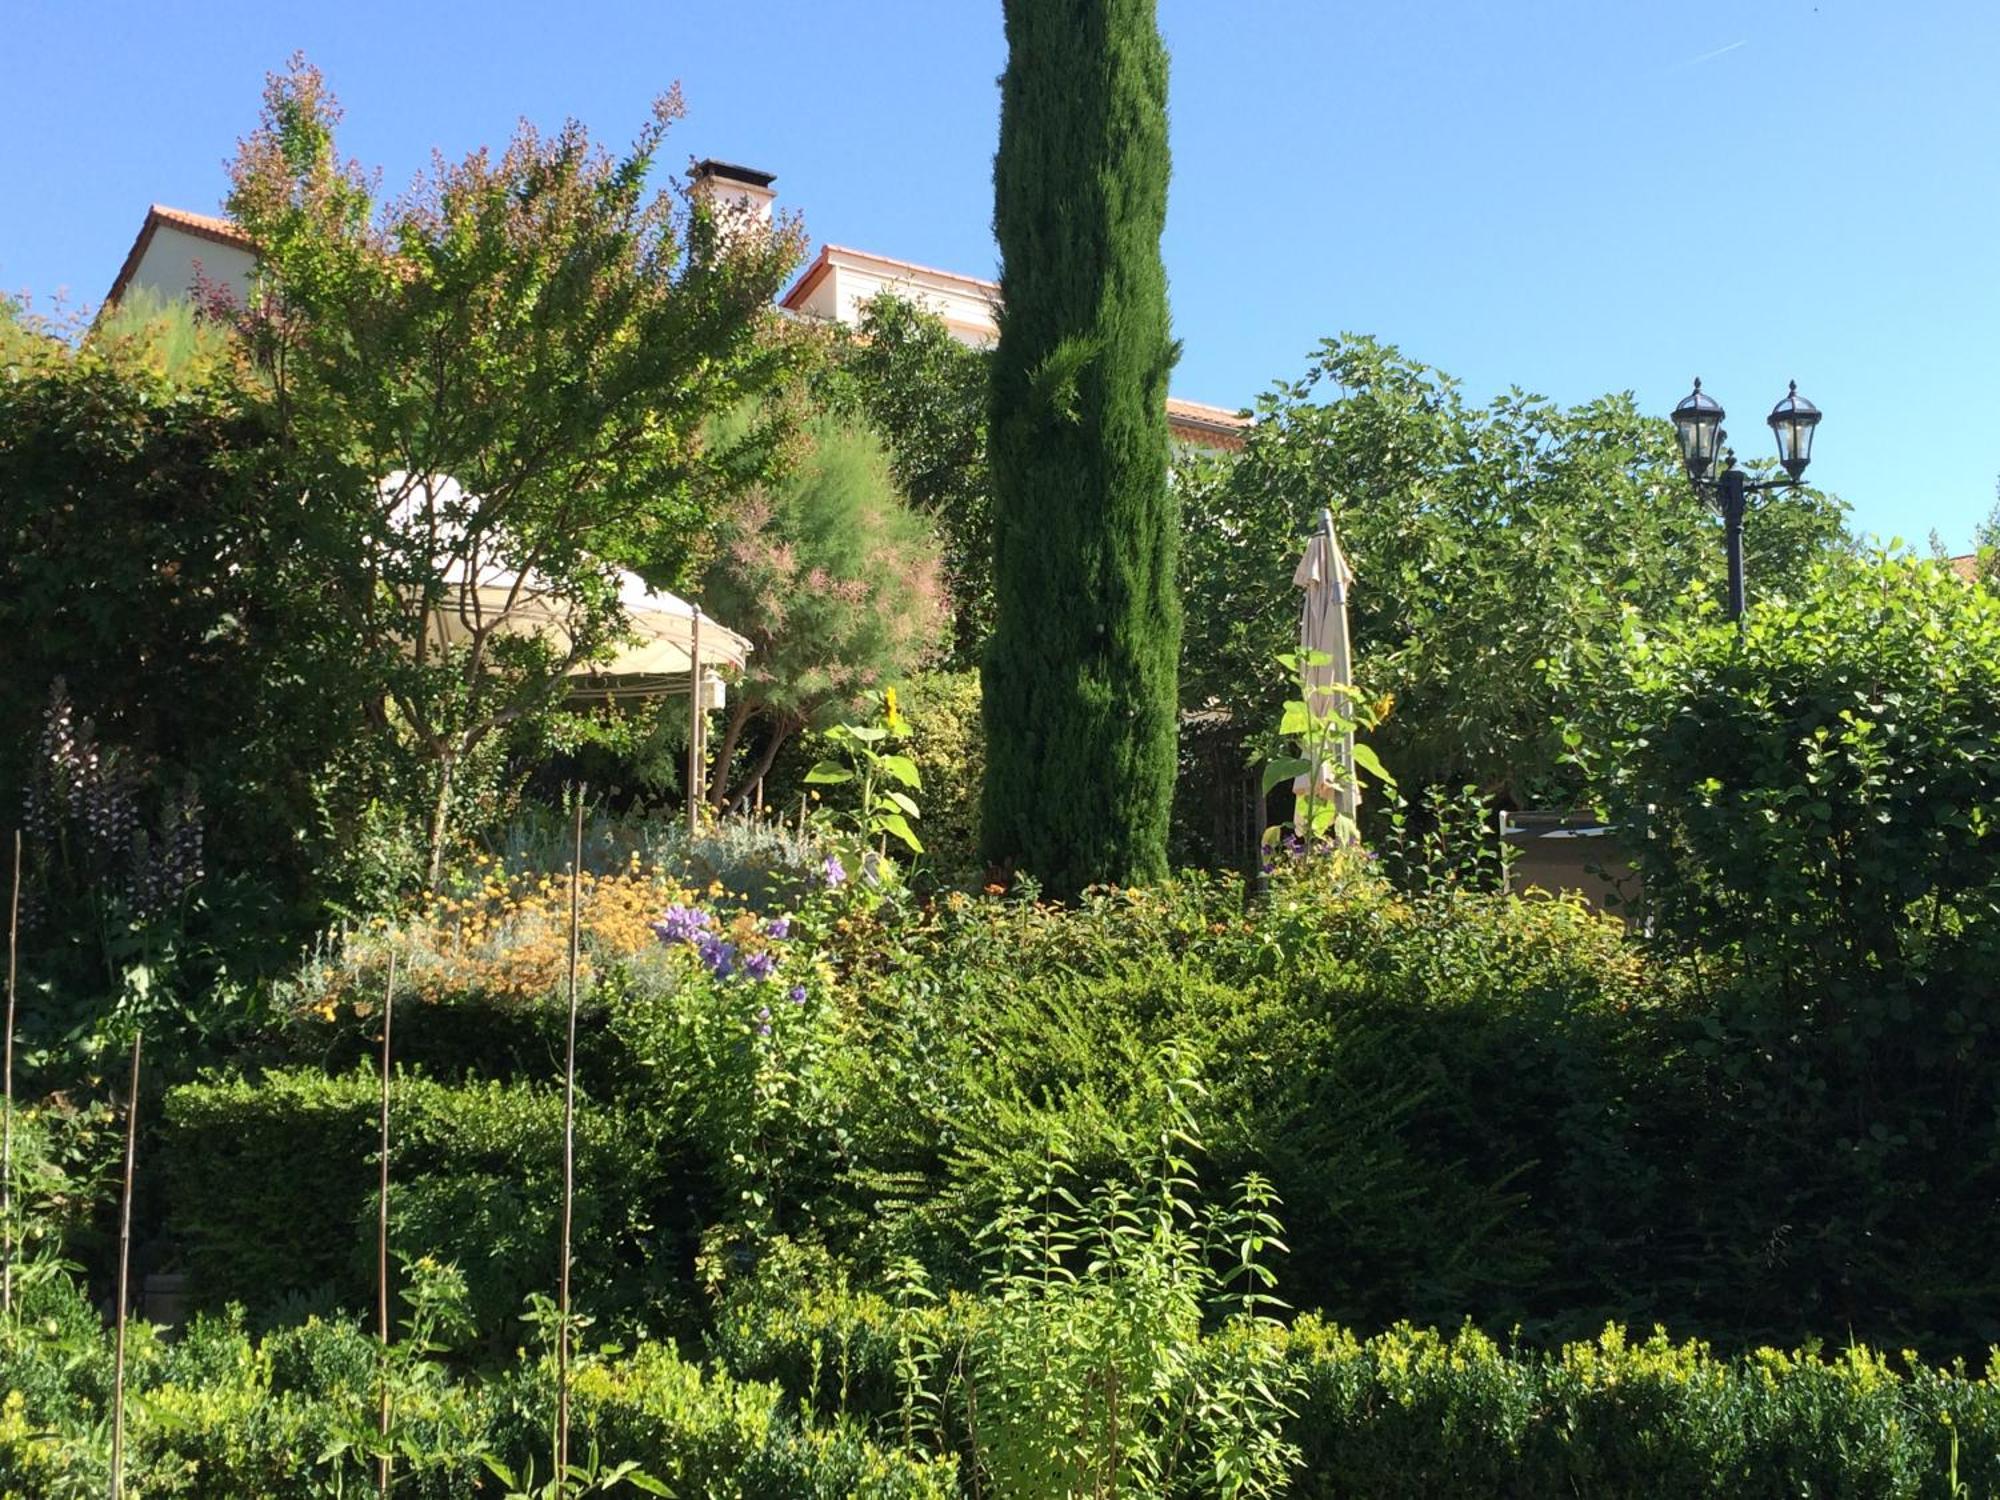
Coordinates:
(732, 734)
(782, 731)
(440, 821)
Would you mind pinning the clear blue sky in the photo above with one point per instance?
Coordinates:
(1574, 197)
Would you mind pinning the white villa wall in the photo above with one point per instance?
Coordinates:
(851, 280)
(168, 266)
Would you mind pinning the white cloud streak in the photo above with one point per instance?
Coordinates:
(1693, 62)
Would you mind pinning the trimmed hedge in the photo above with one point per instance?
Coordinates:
(1416, 1413)
(218, 1413)
(271, 1191)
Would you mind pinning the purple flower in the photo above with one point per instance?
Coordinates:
(683, 924)
(779, 928)
(763, 1020)
(759, 965)
(832, 872)
(797, 995)
(720, 956)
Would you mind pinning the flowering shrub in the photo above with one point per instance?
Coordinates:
(747, 947)
(501, 937)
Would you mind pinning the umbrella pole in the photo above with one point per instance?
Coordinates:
(695, 789)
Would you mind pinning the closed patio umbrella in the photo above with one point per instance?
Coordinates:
(1328, 668)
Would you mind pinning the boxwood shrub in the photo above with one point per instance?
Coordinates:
(271, 1191)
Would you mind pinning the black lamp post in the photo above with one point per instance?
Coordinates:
(1698, 425)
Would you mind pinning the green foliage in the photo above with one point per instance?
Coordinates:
(182, 702)
(749, 1073)
(1810, 791)
(1462, 1099)
(926, 394)
(946, 742)
(292, 1416)
(1986, 550)
(1444, 840)
(1121, 1344)
(1485, 540)
(882, 779)
(939, 1186)
(1079, 676)
(1807, 802)
(834, 579)
(169, 340)
(1087, 1372)
(704, 1434)
(1409, 1411)
(476, 1180)
(1414, 1413)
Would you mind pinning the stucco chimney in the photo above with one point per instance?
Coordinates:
(738, 196)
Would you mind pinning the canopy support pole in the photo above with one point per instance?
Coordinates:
(696, 789)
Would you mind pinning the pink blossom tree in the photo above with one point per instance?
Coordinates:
(838, 583)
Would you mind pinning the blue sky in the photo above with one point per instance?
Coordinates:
(1572, 197)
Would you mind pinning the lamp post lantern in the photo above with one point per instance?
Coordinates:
(1698, 426)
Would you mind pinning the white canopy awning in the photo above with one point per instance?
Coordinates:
(666, 631)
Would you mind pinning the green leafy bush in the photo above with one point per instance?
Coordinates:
(948, 742)
(1121, 1344)
(702, 1433)
(1414, 1413)
(1445, 1091)
(271, 1190)
(1807, 794)
(293, 1416)
(1808, 801)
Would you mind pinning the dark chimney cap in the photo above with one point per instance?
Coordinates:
(749, 176)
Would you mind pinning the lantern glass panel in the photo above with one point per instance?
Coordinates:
(1697, 424)
(1792, 423)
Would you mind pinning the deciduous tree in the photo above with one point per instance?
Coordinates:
(926, 394)
(836, 581)
(542, 327)
(1488, 542)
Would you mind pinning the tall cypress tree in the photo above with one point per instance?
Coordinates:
(1080, 697)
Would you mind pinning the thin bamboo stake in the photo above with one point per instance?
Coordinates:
(7, 1127)
(124, 1278)
(569, 1166)
(382, 1235)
